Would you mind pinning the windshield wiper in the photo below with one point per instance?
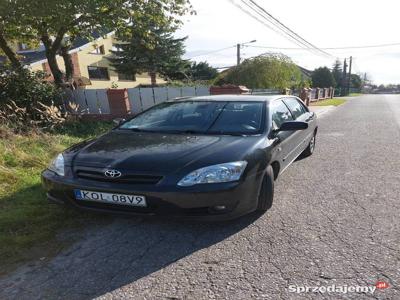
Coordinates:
(135, 129)
(185, 131)
(226, 133)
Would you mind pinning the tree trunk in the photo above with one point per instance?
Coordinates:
(55, 70)
(52, 49)
(11, 55)
(69, 65)
(153, 77)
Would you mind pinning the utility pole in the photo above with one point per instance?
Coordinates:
(349, 80)
(344, 77)
(238, 46)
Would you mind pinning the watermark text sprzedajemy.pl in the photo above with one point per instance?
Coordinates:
(342, 289)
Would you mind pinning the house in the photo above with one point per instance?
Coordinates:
(92, 69)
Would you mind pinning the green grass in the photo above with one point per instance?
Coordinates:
(28, 224)
(334, 101)
(355, 94)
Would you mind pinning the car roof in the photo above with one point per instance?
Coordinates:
(263, 98)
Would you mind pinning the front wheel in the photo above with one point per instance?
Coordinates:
(310, 148)
(266, 195)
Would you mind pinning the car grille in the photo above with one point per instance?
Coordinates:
(98, 175)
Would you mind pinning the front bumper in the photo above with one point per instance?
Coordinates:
(198, 202)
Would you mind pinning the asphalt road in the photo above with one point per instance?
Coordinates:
(335, 221)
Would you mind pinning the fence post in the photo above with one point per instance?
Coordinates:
(119, 102)
(304, 95)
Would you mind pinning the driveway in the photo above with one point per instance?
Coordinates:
(335, 221)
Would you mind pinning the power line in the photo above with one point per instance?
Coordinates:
(280, 28)
(281, 33)
(332, 48)
(288, 29)
(211, 52)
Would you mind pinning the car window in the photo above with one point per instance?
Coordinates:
(295, 107)
(240, 117)
(280, 113)
(213, 117)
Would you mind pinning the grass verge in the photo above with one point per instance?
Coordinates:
(333, 101)
(28, 224)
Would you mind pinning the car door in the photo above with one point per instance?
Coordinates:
(283, 140)
(299, 113)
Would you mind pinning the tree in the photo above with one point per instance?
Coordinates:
(51, 22)
(337, 72)
(355, 81)
(191, 71)
(12, 31)
(150, 46)
(323, 78)
(202, 71)
(270, 71)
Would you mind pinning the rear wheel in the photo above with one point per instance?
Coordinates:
(266, 195)
(310, 148)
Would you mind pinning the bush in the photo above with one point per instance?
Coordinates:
(28, 101)
(19, 120)
(26, 89)
(264, 72)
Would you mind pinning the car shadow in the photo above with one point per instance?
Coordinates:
(110, 256)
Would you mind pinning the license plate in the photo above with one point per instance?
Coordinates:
(121, 199)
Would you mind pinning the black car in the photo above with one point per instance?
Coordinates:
(203, 157)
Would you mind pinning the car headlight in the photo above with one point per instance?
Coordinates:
(57, 165)
(226, 172)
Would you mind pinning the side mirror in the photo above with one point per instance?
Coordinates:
(118, 121)
(293, 125)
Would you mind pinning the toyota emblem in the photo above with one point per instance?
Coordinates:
(113, 173)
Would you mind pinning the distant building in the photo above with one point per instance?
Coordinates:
(92, 69)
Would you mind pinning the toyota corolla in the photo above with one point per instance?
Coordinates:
(202, 157)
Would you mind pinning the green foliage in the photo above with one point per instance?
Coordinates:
(150, 45)
(305, 83)
(28, 224)
(51, 22)
(180, 83)
(272, 71)
(192, 73)
(202, 71)
(328, 102)
(26, 89)
(323, 78)
(355, 81)
(337, 73)
(13, 30)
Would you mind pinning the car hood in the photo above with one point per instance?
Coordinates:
(154, 152)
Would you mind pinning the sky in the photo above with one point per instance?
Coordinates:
(326, 24)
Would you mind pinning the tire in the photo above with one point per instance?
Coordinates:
(310, 148)
(266, 196)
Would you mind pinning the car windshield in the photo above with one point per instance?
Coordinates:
(206, 117)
